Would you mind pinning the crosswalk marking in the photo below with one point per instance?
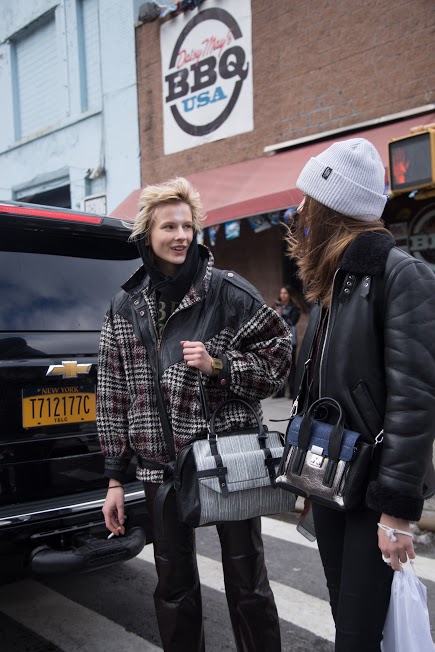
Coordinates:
(74, 629)
(304, 610)
(424, 566)
(294, 606)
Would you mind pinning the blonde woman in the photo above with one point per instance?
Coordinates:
(370, 346)
(245, 352)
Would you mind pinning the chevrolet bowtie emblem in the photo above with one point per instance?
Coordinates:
(68, 369)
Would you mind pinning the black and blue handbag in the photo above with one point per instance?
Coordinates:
(325, 461)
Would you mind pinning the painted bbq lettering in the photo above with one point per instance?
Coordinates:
(205, 77)
(210, 45)
(231, 64)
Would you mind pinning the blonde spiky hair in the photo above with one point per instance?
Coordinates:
(172, 191)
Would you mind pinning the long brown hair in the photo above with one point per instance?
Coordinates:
(317, 242)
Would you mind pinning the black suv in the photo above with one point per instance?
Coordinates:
(58, 271)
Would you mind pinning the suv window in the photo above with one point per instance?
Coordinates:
(57, 280)
(51, 292)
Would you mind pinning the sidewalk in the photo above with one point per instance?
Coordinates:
(279, 408)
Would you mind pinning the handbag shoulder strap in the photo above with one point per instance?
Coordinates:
(164, 420)
(209, 307)
(149, 342)
(304, 385)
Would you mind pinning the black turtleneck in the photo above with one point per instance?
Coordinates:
(170, 290)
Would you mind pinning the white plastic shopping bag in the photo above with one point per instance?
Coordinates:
(407, 627)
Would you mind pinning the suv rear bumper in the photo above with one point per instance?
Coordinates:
(88, 553)
(68, 534)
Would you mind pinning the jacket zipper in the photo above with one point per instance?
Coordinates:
(160, 339)
(158, 388)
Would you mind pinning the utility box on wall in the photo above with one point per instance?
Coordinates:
(95, 204)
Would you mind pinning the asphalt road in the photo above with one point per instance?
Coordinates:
(112, 609)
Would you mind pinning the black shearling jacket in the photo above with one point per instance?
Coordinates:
(378, 360)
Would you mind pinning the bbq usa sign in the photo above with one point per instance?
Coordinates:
(207, 74)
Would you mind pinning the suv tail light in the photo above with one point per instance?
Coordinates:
(55, 214)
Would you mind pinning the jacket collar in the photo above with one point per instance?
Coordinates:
(140, 280)
(368, 253)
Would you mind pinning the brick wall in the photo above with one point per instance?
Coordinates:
(317, 65)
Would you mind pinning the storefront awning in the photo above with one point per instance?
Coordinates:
(268, 183)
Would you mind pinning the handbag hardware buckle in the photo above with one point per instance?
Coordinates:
(379, 437)
(294, 409)
(316, 459)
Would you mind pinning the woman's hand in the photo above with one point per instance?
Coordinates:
(195, 355)
(396, 551)
(113, 508)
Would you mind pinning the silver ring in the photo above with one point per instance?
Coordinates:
(387, 560)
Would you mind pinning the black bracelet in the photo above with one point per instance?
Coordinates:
(116, 486)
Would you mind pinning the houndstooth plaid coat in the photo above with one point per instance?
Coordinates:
(251, 339)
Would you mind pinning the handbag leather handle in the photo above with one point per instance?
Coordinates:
(213, 434)
(336, 433)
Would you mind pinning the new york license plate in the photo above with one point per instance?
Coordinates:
(53, 406)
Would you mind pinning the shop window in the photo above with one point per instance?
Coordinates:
(36, 77)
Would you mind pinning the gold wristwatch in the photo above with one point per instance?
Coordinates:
(216, 367)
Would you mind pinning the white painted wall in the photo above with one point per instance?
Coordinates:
(108, 134)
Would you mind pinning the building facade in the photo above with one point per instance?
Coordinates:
(238, 94)
(69, 130)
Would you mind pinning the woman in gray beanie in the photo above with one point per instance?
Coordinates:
(371, 347)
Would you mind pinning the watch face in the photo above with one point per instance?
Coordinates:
(216, 363)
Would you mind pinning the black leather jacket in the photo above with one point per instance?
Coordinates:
(378, 360)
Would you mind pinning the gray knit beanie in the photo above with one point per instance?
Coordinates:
(348, 177)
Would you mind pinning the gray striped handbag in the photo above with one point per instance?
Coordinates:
(230, 476)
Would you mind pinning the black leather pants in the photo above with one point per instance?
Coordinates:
(177, 597)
